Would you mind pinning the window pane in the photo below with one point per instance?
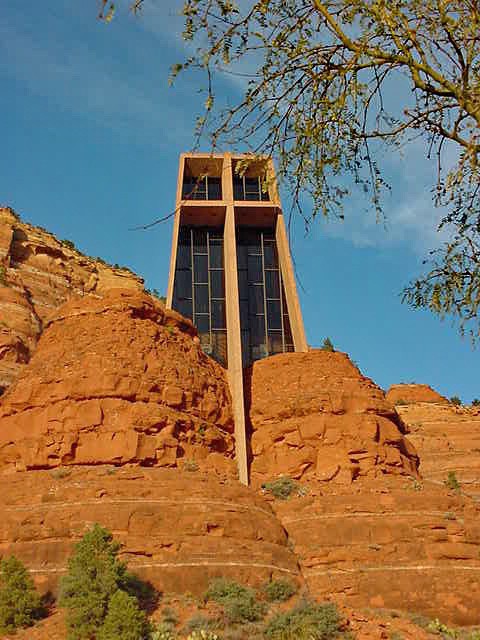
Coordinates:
(241, 256)
(183, 284)
(202, 323)
(242, 285)
(252, 189)
(187, 187)
(274, 317)
(238, 188)
(201, 298)
(217, 286)
(243, 315)
(272, 284)
(214, 189)
(275, 343)
(257, 329)
(216, 253)
(270, 251)
(199, 241)
(255, 299)
(185, 308)
(199, 189)
(218, 314)
(255, 269)
(200, 264)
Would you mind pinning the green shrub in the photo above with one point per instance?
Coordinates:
(94, 575)
(239, 603)
(306, 621)
(124, 620)
(435, 626)
(283, 488)
(451, 482)
(203, 635)
(327, 345)
(162, 631)
(199, 622)
(456, 401)
(169, 616)
(279, 590)
(19, 602)
(476, 402)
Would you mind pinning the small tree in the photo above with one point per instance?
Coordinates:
(456, 401)
(94, 575)
(327, 345)
(125, 620)
(19, 602)
(476, 402)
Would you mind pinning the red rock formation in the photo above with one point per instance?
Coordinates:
(402, 394)
(38, 273)
(447, 438)
(315, 414)
(395, 543)
(178, 529)
(117, 379)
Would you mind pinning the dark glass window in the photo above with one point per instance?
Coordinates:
(201, 299)
(201, 188)
(218, 314)
(274, 316)
(272, 284)
(270, 253)
(262, 307)
(206, 307)
(248, 188)
(216, 253)
(255, 271)
(200, 264)
(217, 285)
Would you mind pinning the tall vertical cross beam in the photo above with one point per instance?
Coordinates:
(259, 302)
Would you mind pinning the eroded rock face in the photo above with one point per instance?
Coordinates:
(403, 394)
(394, 543)
(178, 529)
(315, 414)
(38, 273)
(117, 379)
(447, 438)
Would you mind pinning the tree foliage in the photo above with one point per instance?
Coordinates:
(19, 601)
(124, 620)
(94, 575)
(319, 75)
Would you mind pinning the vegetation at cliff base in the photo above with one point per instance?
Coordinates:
(20, 603)
(94, 592)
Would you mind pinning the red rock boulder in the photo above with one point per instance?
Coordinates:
(117, 379)
(315, 414)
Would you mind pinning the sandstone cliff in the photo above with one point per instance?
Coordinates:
(114, 414)
(38, 273)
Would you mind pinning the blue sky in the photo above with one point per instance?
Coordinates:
(90, 136)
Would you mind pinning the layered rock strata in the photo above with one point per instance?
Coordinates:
(395, 543)
(403, 394)
(447, 438)
(178, 529)
(315, 414)
(38, 273)
(117, 379)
